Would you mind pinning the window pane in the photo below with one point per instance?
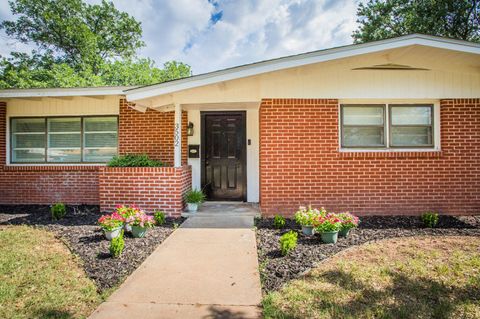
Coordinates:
(99, 155)
(363, 136)
(28, 140)
(68, 124)
(411, 136)
(64, 155)
(28, 125)
(100, 139)
(99, 124)
(28, 156)
(64, 140)
(363, 115)
(411, 115)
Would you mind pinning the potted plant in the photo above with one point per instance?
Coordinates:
(306, 218)
(111, 225)
(140, 223)
(328, 226)
(194, 197)
(348, 221)
(127, 211)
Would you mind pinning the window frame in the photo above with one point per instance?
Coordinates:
(435, 118)
(46, 162)
(385, 141)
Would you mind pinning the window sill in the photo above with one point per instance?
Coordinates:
(346, 153)
(52, 167)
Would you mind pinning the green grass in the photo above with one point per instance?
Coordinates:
(400, 278)
(40, 278)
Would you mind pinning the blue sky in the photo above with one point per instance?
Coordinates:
(215, 34)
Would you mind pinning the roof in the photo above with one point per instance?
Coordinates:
(144, 92)
(299, 60)
(57, 92)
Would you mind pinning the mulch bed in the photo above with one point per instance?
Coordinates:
(276, 269)
(79, 231)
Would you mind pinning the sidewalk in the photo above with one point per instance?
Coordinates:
(207, 268)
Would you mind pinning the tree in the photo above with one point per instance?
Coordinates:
(378, 19)
(78, 44)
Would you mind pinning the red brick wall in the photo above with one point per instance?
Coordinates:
(49, 184)
(300, 164)
(150, 188)
(150, 133)
(3, 132)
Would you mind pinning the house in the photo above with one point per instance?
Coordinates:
(387, 127)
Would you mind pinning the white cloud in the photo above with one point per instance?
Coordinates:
(248, 31)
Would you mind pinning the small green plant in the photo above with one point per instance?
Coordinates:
(195, 196)
(430, 219)
(175, 225)
(58, 211)
(116, 246)
(279, 222)
(159, 218)
(288, 242)
(134, 160)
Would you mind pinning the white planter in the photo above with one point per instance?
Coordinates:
(192, 207)
(113, 233)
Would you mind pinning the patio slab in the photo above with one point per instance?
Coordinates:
(198, 272)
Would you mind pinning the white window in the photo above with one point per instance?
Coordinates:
(387, 126)
(63, 139)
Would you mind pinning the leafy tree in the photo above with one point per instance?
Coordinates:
(379, 19)
(78, 45)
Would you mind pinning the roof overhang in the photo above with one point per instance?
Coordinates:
(150, 91)
(64, 92)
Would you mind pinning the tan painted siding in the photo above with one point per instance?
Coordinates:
(108, 105)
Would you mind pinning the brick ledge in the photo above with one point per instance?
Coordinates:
(392, 154)
(13, 168)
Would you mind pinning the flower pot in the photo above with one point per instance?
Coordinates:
(344, 232)
(192, 207)
(128, 228)
(139, 232)
(111, 234)
(329, 237)
(308, 230)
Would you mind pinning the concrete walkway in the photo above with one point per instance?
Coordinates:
(207, 268)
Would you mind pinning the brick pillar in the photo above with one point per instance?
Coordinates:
(3, 134)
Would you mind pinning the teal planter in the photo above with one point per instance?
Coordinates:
(329, 237)
(139, 232)
(344, 232)
(308, 230)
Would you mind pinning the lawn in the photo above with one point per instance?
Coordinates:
(40, 278)
(419, 277)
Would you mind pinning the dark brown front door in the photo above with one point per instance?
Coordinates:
(224, 155)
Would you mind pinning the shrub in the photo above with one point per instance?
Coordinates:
(111, 222)
(430, 219)
(116, 246)
(195, 196)
(134, 160)
(58, 211)
(279, 222)
(288, 242)
(159, 218)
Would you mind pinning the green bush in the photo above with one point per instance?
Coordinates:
(134, 160)
(430, 219)
(195, 196)
(279, 222)
(159, 218)
(58, 211)
(116, 246)
(288, 242)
